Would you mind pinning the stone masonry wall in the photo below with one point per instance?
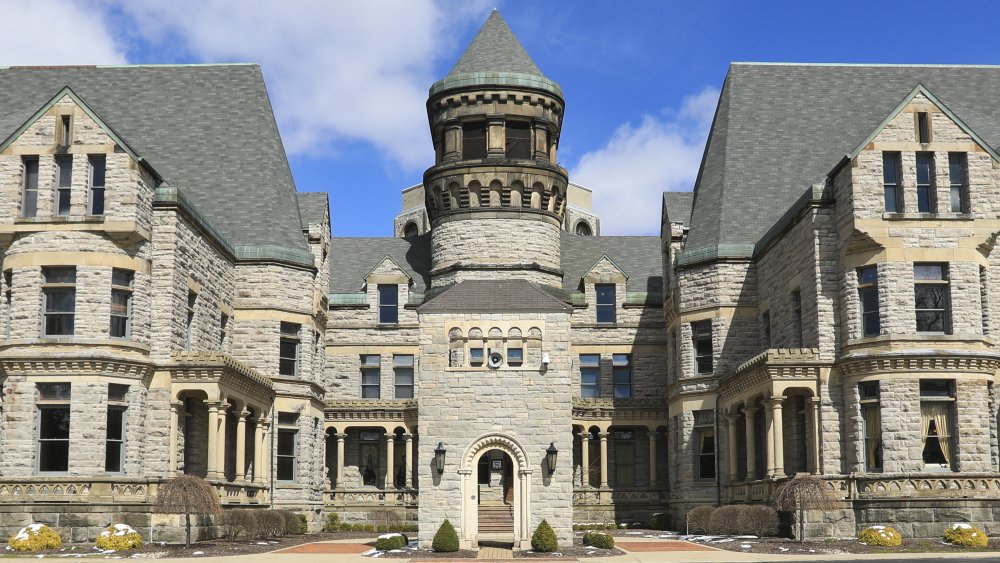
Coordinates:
(496, 241)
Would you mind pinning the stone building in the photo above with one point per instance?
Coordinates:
(171, 305)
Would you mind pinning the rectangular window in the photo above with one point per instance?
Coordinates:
(53, 427)
(871, 418)
(29, 187)
(65, 131)
(518, 139)
(121, 303)
(59, 295)
(97, 170)
(797, 318)
(923, 127)
(932, 300)
(288, 446)
(605, 302)
(704, 436)
(474, 140)
(288, 349)
(402, 367)
(959, 181)
(388, 303)
(189, 326)
(114, 454)
(701, 336)
(370, 376)
(937, 412)
(590, 376)
(891, 175)
(515, 356)
(64, 164)
(621, 366)
(925, 182)
(624, 463)
(476, 356)
(868, 296)
(8, 289)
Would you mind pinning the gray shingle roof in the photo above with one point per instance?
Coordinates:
(493, 296)
(207, 129)
(638, 257)
(779, 128)
(678, 206)
(313, 207)
(352, 258)
(495, 49)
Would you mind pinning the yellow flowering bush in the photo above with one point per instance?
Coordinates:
(880, 535)
(966, 535)
(119, 537)
(35, 537)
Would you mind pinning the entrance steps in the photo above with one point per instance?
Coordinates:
(496, 520)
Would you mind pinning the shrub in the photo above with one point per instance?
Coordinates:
(758, 519)
(544, 538)
(725, 520)
(880, 535)
(271, 524)
(290, 523)
(332, 522)
(35, 537)
(446, 539)
(236, 523)
(388, 542)
(303, 524)
(599, 539)
(659, 521)
(119, 537)
(698, 519)
(966, 535)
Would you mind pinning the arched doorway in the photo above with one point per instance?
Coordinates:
(496, 482)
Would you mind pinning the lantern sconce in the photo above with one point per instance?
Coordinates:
(550, 457)
(439, 453)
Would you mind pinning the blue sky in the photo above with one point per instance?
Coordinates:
(348, 80)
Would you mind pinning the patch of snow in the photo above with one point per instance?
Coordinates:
(369, 553)
(198, 553)
(723, 540)
(392, 535)
(633, 533)
(262, 543)
(782, 549)
(746, 537)
(744, 546)
(961, 526)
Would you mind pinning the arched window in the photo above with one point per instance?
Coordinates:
(583, 229)
(410, 230)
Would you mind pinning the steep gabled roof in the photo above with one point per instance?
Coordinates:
(495, 49)
(352, 259)
(638, 257)
(313, 207)
(493, 296)
(779, 128)
(677, 206)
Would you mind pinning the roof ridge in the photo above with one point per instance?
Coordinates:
(495, 48)
(835, 64)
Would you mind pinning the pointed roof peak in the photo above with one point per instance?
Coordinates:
(495, 49)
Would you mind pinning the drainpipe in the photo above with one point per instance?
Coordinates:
(270, 453)
(718, 466)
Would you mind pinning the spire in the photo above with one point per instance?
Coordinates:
(495, 49)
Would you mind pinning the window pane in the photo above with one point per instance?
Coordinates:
(113, 457)
(286, 367)
(97, 201)
(31, 174)
(65, 165)
(121, 277)
(54, 391)
(369, 377)
(935, 388)
(928, 271)
(590, 376)
(515, 355)
(60, 275)
(368, 392)
(53, 455)
(53, 423)
(402, 360)
(956, 199)
(119, 327)
(590, 359)
(60, 300)
(868, 274)
(474, 140)
(622, 375)
(370, 360)
(30, 208)
(116, 420)
(623, 391)
(925, 165)
(117, 392)
(286, 442)
(404, 392)
(97, 167)
(620, 360)
(605, 294)
(388, 301)
(58, 324)
(518, 135)
(119, 302)
(288, 418)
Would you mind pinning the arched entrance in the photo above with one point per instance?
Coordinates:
(496, 486)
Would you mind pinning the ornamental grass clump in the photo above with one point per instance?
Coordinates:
(966, 535)
(389, 542)
(446, 539)
(36, 537)
(544, 538)
(599, 539)
(119, 537)
(881, 536)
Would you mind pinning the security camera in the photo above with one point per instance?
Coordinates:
(495, 360)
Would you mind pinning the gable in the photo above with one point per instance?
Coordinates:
(605, 271)
(387, 271)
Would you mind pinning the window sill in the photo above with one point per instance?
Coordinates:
(291, 485)
(927, 216)
(42, 220)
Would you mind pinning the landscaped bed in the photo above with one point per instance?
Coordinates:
(784, 546)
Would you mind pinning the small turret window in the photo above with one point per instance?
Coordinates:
(474, 140)
(583, 229)
(518, 140)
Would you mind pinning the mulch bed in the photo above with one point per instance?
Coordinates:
(835, 547)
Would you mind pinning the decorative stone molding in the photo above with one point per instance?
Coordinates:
(75, 366)
(977, 363)
(372, 410)
(491, 441)
(222, 369)
(776, 364)
(644, 409)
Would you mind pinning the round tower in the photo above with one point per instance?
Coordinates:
(495, 195)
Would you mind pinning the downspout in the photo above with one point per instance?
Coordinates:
(718, 465)
(270, 454)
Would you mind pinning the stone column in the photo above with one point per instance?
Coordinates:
(220, 463)
(604, 459)
(651, 433)
(452, 152)
(265, 451)
(340, 460)
(732, 463)
(211, 463)
(408, 452)
(241, 444)
(495, 140)
(258, 451)
(390, 454)
(541, 131)
(749, 412)
(812, 414)
(175, 415)
(775, 438)
(585, 459)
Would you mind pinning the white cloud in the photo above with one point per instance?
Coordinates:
(336, 71)
(631, 171)
(53, 32)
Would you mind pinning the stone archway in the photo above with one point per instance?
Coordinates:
(521, 488)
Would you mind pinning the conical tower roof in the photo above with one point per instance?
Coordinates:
(495, 58)
(495, 49)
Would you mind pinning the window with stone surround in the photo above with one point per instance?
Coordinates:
(515, 356)
(402, 368)
(958, 180)
(892, 182)
(871, 420)
(29, 187)
(474, 140)
(476, 356)
(605, 302)
(932, 301)
(937, 415)
(868, 298)
(926, 197)
(65, 131)
(288, 349)
(288, 446)
(114, 453)
(388, 303)
(621, 375)
(59, 296)
(590, 376)
(370, 376)
(701, 337)
(192, 300)
(95, 201)
(121, 303)
(624, 458)
(704, 444)
(518, 139)
(64, 176)
(53, 405)
(923, 127)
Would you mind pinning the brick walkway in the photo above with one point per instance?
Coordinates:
(666, 545)
(494, 552)
(327, 547)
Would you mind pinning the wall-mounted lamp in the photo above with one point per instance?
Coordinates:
(439, 453)
(550, 457)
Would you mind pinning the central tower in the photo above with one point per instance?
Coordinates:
(495, 195)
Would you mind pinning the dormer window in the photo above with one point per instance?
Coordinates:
(388, 303)
(518, 139)
(605, 302)
(474, 140)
